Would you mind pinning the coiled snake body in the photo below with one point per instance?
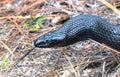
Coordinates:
(79, 28)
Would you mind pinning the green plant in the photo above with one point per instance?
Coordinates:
(36, 23)
(5, 60)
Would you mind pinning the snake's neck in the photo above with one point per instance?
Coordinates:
(102, 32)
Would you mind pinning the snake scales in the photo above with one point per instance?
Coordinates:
(79, 28)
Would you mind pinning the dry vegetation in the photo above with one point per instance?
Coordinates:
(84, 59)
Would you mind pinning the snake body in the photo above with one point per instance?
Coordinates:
(79, 28)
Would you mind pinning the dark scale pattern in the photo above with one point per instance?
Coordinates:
(81, 28)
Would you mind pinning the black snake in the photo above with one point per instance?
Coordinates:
(79, 28)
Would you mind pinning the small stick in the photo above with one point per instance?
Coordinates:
(26, 54)
(110, 6)
(104, 45)
(16, 62)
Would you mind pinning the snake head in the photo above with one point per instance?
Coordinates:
(51, 39)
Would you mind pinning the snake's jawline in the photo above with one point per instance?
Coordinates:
(85, 26)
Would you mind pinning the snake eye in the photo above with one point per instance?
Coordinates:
(42, 42)
(38, 42)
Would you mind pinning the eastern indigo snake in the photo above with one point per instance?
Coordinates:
(79, 28)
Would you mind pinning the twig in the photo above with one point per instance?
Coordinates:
(104, 45)
(14, 17)
(27, 8)
(16, 62)
(6, 47)
(110, 6)
(18, 27)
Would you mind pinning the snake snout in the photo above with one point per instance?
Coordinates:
(41, 43)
